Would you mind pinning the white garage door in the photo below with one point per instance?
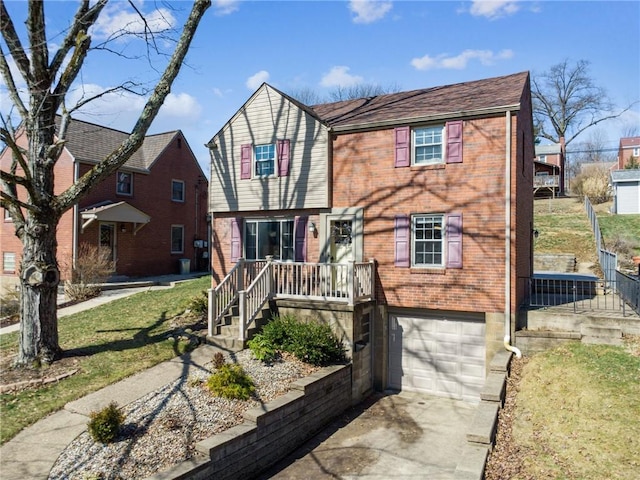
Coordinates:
(437, 355)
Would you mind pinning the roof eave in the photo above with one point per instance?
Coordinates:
(482, 112)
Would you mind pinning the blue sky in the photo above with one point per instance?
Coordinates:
(320, 45)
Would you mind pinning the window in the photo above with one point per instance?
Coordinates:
(265, 160)
(427, 145)
(427, 240)
(265, 156)
(636, 152)
(124, 185)
(9, 262)
(7, 215)
(542, 158)
(177, 238)
(269, 237)
(177, 190)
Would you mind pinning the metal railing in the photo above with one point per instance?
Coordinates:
(338, 282)
(629, 290)
(546, 180)
(608, 260)
(580, 294)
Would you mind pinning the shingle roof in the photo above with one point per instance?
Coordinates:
(628, 142)
(552, 149)
(91, 143)
(448, 100)
(625, 175)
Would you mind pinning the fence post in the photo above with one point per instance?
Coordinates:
(372, 262)
(242, 312)
(211, 294)
(351, 271)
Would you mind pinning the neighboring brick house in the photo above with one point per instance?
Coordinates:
(148, 214)
(435, 185)
(629, 152)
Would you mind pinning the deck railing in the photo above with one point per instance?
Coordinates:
(546, 181)
(629, 290)
(349, 283)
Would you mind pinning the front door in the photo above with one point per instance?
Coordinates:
(341, 246)
(108, 240)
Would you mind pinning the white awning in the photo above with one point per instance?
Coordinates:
(115, 212)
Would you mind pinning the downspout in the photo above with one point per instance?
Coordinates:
(76, 211)
(507, 244)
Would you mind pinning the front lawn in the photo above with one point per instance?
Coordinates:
(104, 344)
(576, 415)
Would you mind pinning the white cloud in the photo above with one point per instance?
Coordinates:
(180, 106)
(254, 81)
(368, 11)
(459, 62)
(493, 9)
(340, 77)
(226, 7)
(115, 20)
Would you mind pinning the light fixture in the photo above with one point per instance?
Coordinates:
(312, 227)
(123, 227)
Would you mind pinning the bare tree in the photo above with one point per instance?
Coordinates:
(566, 102)
(361, 90)
(28, 185)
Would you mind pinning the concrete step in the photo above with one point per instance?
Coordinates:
(601, 334)
(226, 342)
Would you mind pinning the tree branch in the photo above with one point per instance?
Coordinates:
(119, 156)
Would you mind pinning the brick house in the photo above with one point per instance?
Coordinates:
(148, 214)
(628, 151)
(426, 196)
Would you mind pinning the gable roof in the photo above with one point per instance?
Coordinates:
(549, 149)
(449, 101)
(91, 143)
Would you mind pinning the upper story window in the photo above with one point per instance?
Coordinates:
(427, 145)
(177, 190)
(264, 160)
(7, 215)
(542, 158)
(636, 152)
(124, 183)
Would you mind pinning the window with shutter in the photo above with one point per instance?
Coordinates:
(454, 141)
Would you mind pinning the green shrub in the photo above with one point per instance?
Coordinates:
(313, 343)
(231, 381)
(199, 304)
(104, 425)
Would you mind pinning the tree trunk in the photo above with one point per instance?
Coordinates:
(39, 278)
(563, 164)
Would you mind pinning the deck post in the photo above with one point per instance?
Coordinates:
(242, 312)
(211, 294)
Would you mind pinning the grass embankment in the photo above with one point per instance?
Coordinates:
(578, 414)
(564, 227)
(106, 344)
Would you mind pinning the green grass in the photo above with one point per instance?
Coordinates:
(578, 414)
(621, 234)
(107, 344)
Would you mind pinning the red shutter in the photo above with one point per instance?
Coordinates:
(403, 239)
(453, 237)
(282, 152)
(403, 146)
(236, 239)
(454, 141)
(246, 152)
(300, 246)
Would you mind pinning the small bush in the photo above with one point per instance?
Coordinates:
(313, 343)
(231, 381)
(10, 302)
(93, 267)
(199, 304)
(104, 425)
(218, 360)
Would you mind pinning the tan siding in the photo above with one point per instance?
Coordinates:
(266, 118)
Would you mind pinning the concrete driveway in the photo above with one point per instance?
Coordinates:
(404, 435)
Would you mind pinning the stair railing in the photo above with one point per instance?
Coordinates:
(251, 300)
(224, 296)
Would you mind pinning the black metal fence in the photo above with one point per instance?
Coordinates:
(629, 290)
(584, 292)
